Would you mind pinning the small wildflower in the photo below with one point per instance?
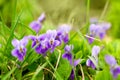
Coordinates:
(52, 43)
(68, 55)
(114, 67)
(62, 33)
(98, 30)
(41, 18)
(95, 52)
(40, 42)
(19, 50)
(72, 75)
(90, 39)
(36, 25)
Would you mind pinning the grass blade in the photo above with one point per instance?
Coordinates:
(38, 70)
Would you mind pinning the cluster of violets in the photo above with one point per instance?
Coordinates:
(42, 43)
(97, 29)
(110, 60)
(52, 38)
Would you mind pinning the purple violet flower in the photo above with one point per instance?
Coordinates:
(76, 62)
(90, 64)
(52, 43)
(90, 39)
(72, 75)
(95, 52)
(19, 50)
(98, 30)
(41, 18)
(40, 42)
(62, 33)
(36, 25)
(68, 55)
(114, 67)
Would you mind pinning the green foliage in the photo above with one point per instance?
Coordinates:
(113, 17)
(15, 16)
(104, 75)
(64, 69)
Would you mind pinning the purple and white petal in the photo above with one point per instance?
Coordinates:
(36, 26)
(66, 38)
(76, 62)
(20, 57)
(90, 39)
(110, 60)
(64, 28)
(93, 28)
(105, 25)
(15, 52)
(89, 63)
(95, 51)
(41, 37)
(24, 41)
(102, 35)
(41, 18)
(56, 43)
(115, 71)
(68, 48)
(68, 56)
(24, 51)
(38, 48)
(51, 34)
(31, 37)
(72, 75)
(15, 42)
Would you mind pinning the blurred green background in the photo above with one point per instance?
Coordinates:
(75, 12)
(62, 11)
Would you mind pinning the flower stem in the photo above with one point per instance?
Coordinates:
(88, 11)
(83, 77)
(104, 10)
(58, 60)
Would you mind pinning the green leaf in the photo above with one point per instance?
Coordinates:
(64, 69)
(103, 75)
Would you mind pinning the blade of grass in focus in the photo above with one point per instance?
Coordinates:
(12, 30)
(58, 77)
(5, 77)
(38, 70)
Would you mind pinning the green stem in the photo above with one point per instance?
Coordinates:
(88, 11)
(58, 60)
(38, 70)
(57, 76)
(104, 10)
(83, 77)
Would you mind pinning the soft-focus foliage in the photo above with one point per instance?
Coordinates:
(59, 40)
